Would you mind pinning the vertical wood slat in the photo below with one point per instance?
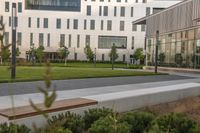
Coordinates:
(179, 17)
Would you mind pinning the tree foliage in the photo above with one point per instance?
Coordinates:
(63, 53)
(89, 53)
(139, 55)
(40, 53)
(113, 53)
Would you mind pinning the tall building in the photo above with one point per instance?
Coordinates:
(77, 23)
(179, 35)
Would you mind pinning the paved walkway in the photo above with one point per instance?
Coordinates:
(67, 89)
(61, 85)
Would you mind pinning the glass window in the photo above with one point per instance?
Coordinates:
(100, 10)
(134, 27)
(109, 25)
(142, 27)
(75, 24)
(58, 23)
(105, 11)
(38, 22)
(132, 11)
(115, 11)
(78, 41)
(85, 24)
(88, 10)
(7, 6)
(7, 38)
(31, 39)
(46, 23)
(19, 38)
(62, 39)
(29, 22)
(133, 42)
(106, 42)
(19, 7)
(101, 24)
(87, 40)
(41, 39)
(70, 40)
(92, 24)
(148, 11)
(48, 40)
(68, 23)
(122, 26)
(122, 14)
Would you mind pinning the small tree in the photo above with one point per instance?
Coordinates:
(138, 55)
(63, 53)
(5, 52)
(178, 59)
(40, 53)
(113, 53)
(18, 52)
(89, 53)
(161, 58)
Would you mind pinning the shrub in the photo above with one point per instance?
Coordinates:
(69, 121)
(175, 123)
(93, 115)
(56, 130)
(139, 121)
(109, 125)
(13, 128)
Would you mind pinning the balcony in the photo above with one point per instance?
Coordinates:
(54, 5)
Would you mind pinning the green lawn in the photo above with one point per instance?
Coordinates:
(58, 73)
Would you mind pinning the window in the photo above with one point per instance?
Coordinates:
(109, 25)
(105, 11)
(144, 1)
(41, 39)
(143, 27)
(19, 38)
(78, 41)
(100, 10)
(31, 39)
(58, 23)
(101, 24)
(85, 24)
(70, 40)
(75, 56)
(133, 42)
(148, 11)
(87, 40)
(121, 25)
(48, 40)
(103, 57)
(75, 24)
(62, 39)
(92, 24)
(88, 10)
(7, 6)
(122, 14)
(134, 27)
(124, 57)
(136, 1)
(132, 11)
(10, 22)
(29, 22)
(19, 7)
(38, 22)
(6, 38)
(46, 23)
(115, 11)
(15, 21)
(68, 23)
(118, 0)
(106, 42)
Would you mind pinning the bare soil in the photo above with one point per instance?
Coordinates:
(189, 106)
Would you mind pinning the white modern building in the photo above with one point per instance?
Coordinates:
(77, 23)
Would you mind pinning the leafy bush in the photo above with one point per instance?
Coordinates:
(175, 123)
(69, 121)
(139, 121)
(93, 115)
(56, 130)
(13, 128)
(109, 125)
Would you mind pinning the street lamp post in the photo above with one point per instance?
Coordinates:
(156, 54)
(14, 15)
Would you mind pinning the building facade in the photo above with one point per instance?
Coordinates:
(77, 23)
(179, 35)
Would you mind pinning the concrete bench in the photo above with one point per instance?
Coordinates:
(58, 106)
